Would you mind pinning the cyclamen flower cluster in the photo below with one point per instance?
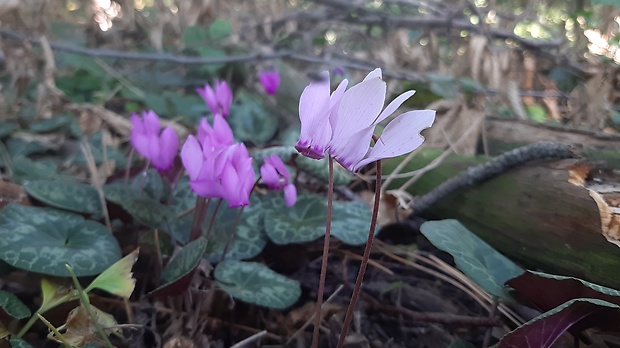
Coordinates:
(159, 149)
(218, 99)
(217, 166)
(343, 123)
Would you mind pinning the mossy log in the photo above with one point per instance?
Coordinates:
(532, 214)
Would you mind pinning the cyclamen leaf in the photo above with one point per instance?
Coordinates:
(66, 195)
(13, 306)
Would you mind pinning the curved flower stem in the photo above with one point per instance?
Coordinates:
(128, 168)
(360, 275)
(233, 232)
(199, 213)
(328, 226)
(212, 222)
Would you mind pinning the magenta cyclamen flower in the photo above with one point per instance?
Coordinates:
(218, 168)
(218, 99)
(270, 81)
(276, 177)
(343, 124)
(160, 149)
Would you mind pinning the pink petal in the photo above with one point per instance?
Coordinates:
(151, 122)
(401, 136)
(137, 124)
(279, 166)
(395, 104)
(359, 107)
(270, 81)
(207, 188)
(169, 146)
(222, 131)
(140, 142)
(191, 156)
(224, 96)
(290, 195)
(270, 176)
(209, 97)
(204, 129)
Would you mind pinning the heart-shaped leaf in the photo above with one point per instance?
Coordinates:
(303, 222)
(151, 183)
(351, 222)
(576, 315)
(558, 290)
(50, 124)
(251, 122)
(66, 195)
(478, 260)
(320, 170)
(43, 240)
(177, 274)
(143, 208)
(255, 283)
(13, 306)
(24, 169)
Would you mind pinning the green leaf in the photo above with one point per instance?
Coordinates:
(144, 209)
(151, 183)
(17, 342)
(351, 222)
(185, 261)
(443, 86)
(320, 170)
(13, 306)
(50, 124)
(219, 29)
(255, 283)
(479, 261)
(251, 122)
(195, 35)
(303, 222)
(66, 195)
(117, 279)
(43, 240)
(111, 153)
(536, 113)
(7, 128)
(211, 53)
(20, 147)
(249, 239)
(615, 3)
(26, 169)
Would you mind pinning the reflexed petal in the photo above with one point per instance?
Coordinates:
(290, 195)
(270, 81)
(401, 136)
(270, 176)
(140, 142)
(231, 186)
(191, 156)
(279, 166)
(204, 129)
(222, 131)
(169, 145)
(224, 97)
(359, 107)
(350, 152)
(153, 149)
(395, 104)
(313, 114)
(207, 188)
(137, 124)
(373, 74)
(151, 122)
(209, 97)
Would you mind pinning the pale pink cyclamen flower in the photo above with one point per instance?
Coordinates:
(270, 81)
(218, 168)
(276, 177)
(159, 149)
(218, 99)
(343, 124)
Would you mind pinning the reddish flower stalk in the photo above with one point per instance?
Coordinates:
(362, 271)
(328, 226)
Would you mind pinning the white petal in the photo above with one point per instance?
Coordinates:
(359, 107)
(373, 74)
(350, 152)
(395, 104)
(401, 136)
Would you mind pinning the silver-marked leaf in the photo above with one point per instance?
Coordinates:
(151, 183)
(7, 128)
(255, 283)
(17, 342)
(284, 152)
(351, 222)
(478, 260)
(303, 222)
(144, 209)
(184, 262)
(43, 240)
(250, 121)
(320, 170)
(24, 169)
(249, 239)
(66, 195)
(13, 306)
